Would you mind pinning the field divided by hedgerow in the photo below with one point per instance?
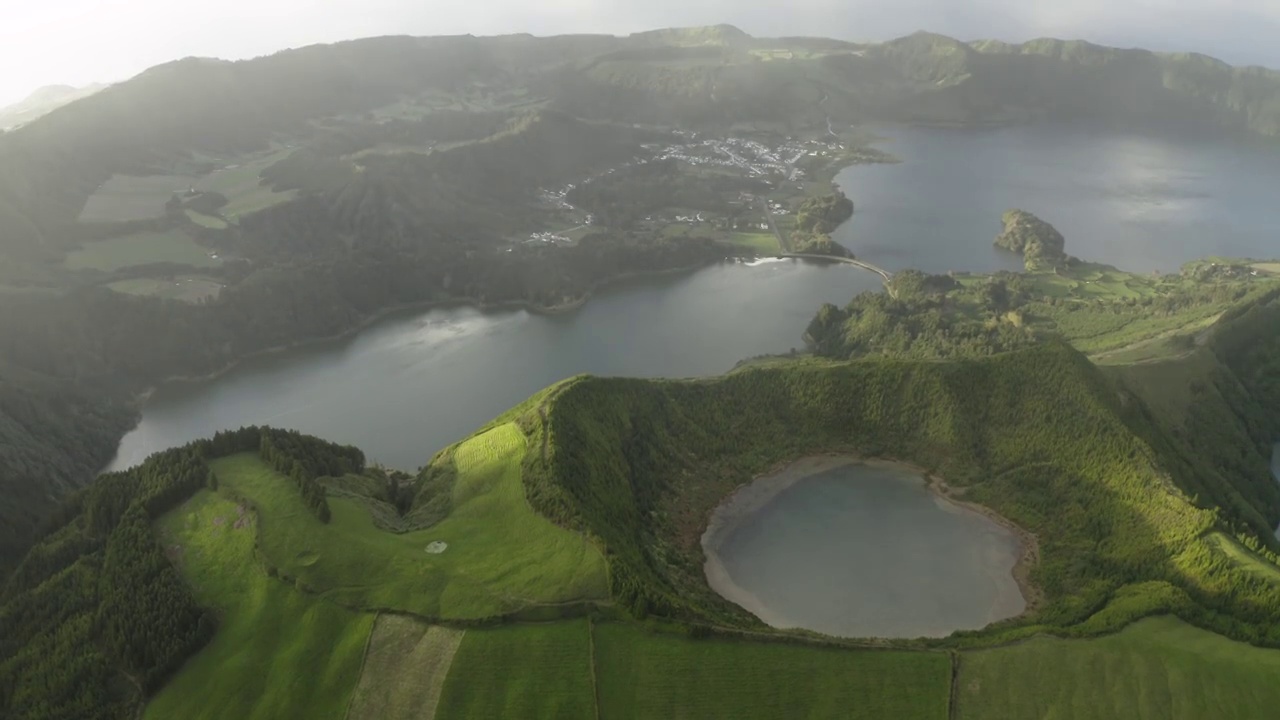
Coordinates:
(652, 676)
(521, 671)
(404, 669)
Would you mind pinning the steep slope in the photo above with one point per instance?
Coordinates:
(1039, 435)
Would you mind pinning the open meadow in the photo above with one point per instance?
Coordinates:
(1253, 563)
(187, 288)
(404, 670)
(207, 221)
(501, 556)
(653, 676)
(521, 671)
(172, 246)
(1155, 668)
(277, 652)
(241, 183)
(124, 198)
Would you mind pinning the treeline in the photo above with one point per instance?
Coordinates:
(95, 617)
(305, 461)
(936, 316)
(1039, 435)
(823, 214)
(911, 326)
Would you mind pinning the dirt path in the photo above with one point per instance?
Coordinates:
(404, 670)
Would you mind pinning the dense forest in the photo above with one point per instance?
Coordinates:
(96, 617)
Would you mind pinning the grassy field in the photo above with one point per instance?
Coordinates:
(173, 246)
(187, 288)
(404, 670)
(1156, 668)
(277, 653)
(240, 182)
(765, 242)
(128, 197)
(521, 671)
(501, 555)
(643, 675)
(209, 221)
(1255, 565)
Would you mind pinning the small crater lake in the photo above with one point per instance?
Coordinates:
(860, 549)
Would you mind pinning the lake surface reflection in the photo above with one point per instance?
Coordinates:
(861, 550)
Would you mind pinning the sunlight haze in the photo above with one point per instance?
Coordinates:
(78, 42)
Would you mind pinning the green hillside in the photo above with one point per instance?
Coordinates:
(550, 565)
(1156, 668)
(315, 648)
(335, 181)
(499, 556)
(267, 548)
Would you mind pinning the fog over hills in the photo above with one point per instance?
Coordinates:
(76, 42)
(43, 101)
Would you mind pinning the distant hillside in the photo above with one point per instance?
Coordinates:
(692, 77)
(43, 101)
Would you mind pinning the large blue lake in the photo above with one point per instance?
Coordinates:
(413, 383)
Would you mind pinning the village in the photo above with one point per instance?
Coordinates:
(747, 157)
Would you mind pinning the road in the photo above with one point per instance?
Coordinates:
(783, 245)
(836, 258)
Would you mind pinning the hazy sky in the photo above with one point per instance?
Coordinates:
(81, 41)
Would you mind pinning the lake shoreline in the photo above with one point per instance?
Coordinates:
(748, 499)
(379, 315)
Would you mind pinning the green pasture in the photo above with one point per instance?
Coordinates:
(501, 555)
(1156, 668)
(186, 288)
(241, 183)
(277, 652)
(172, 246)
(207, 221)
(655, 676)
(123, 198)
(764, 242)
(1252, 563)
(521, 671)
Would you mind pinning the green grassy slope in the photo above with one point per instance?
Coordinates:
(525, 671)
(1157, 668)
(643, 675)
(501, 556)
(1040, 435)
(277, 652)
